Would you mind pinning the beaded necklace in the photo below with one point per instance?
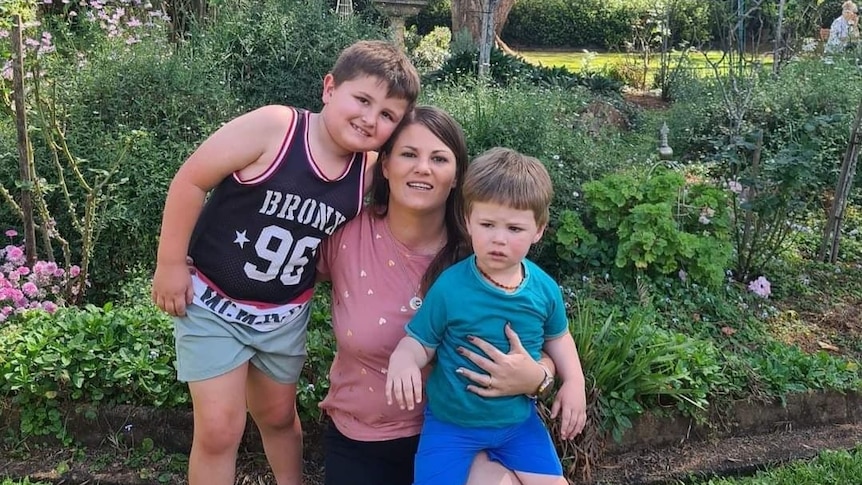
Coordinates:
(497, 283)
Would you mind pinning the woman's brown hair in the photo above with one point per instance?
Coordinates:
(444, 127)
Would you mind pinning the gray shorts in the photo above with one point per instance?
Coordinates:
(208, 347)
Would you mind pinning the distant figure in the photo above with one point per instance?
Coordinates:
(844, 29)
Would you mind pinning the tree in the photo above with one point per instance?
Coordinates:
(467, 15)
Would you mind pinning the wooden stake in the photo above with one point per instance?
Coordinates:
(24, 152)
(832, 232)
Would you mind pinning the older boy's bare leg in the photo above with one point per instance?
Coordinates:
(273, 407)
(487, 472)
(219, 421)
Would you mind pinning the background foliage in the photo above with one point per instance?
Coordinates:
(643, 250)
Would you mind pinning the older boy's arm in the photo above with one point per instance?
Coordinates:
(240, 145)
(570, 401)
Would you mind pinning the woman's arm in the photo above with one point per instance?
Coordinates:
(506, 374)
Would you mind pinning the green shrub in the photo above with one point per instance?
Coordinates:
(432, 50)
(775, 369)
(560, 23)
(113, 106)
(314, 380)
(438, 13)
(278, 52)
(89, 355)
(505, 69)
(652, 225)
(120, 355)
(635, 362)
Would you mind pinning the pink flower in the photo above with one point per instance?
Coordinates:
(59, 272)
(30, 289)
(7, 310)
(760, 287)
(14, 254)
(23, 271)
(49, 306)
(11, 233)
(74, 271)
(14, 276)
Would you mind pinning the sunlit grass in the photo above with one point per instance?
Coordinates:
(830, 467)
(578, 60)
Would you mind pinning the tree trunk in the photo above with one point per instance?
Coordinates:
(467, 15)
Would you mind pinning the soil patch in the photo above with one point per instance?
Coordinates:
(114, 463)
(646, 100)
(730, 456)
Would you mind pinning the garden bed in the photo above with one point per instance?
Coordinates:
(135, 445)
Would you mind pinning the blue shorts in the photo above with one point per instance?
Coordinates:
(446, 451)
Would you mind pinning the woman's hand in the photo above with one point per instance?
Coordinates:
(507, 374)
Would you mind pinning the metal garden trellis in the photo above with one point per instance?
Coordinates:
(344, 8)
(832, 232)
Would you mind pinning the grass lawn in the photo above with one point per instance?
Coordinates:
(577, 60)
(832, 467)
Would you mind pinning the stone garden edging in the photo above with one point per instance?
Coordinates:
(172, 429)
(743, 418)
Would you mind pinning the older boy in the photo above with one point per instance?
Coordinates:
(283, 180)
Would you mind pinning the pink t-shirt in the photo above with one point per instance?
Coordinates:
(372, 285)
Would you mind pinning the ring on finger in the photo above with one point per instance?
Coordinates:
(490, 382)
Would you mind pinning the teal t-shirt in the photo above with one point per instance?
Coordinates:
(462, 303)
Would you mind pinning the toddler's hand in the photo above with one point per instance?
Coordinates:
(403, 383)
(570, 404)
(172, 288)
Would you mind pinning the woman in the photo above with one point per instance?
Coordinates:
(380, 265)
(844, 29)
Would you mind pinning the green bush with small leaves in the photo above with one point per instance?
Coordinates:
(102, 356)
(654, 224)
(278, 52)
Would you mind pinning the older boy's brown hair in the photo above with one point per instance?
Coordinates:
(506, 177)
(382, 60)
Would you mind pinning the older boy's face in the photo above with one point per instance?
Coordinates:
(501, 235)
(358, 114)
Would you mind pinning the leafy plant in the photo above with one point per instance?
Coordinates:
(630, 364)
(88, 355)
(278, 52)
(314, 380)
(654, 224)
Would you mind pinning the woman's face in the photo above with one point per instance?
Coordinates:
(420, 169)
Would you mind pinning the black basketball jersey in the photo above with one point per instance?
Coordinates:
(256, 240)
